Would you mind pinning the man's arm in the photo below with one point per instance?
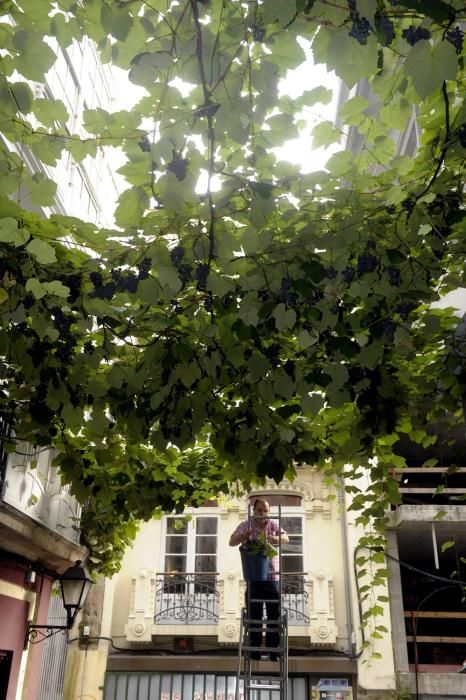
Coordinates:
(240, 536)
(278, 538)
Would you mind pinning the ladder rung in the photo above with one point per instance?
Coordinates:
(260, 677)
(265, 623)
(265, 650)
(263, 686)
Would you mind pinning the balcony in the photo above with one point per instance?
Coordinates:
(209, 604)
(182, 599)
(295, 598)
(33, 487)
(186, 599)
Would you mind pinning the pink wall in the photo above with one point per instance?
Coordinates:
(13, 617)
(13, 621)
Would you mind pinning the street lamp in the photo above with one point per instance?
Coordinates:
(75, 585)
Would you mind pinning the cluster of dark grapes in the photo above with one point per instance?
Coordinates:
(74, 284)
(456, 37)
(88, 347)
(184, 273)
(367, 263)
(408, 204)
(209, 302)
(144, 144)
(96, 279)
(290, 298)
(348, 274)
(201, 274)
(101, 290)
(389, 328)
(227, 300)
(258, 33)
(387, 28)
(289, 368)
(414, 34)
(178, 167)
(65, 352)
(360, 29)
(394, 276)
(404, 308)
(67, 341)
(28, 301)
(61, 321)
(177, 255)
(124, 281)
(330, 272)
(121, 282)
(144, 268)
(37, 351)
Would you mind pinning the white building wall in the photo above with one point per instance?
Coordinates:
(323, 556)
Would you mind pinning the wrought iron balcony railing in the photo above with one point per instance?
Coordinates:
(186, 598)
(295, 597)
(189, 598)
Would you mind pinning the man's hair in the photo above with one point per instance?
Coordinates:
(260, 500)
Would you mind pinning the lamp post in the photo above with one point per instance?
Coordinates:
(75, 585)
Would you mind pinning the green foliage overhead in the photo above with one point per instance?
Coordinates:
(273, 320)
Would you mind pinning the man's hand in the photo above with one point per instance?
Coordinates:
(242, 538)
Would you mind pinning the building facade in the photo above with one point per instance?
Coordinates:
(173, 613)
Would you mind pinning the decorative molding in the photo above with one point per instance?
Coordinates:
(141, 607)
(323, 628)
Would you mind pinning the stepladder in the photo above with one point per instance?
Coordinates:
(262, 667)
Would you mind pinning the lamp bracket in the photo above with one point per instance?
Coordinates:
(37, 633)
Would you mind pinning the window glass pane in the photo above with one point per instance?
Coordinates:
(292, 583)
(206, 526)
(175, 564)
(177, 526)
(292, 525)
(292, 564)
(206, 545)
(205, 564)
(176, 545)
(294, 545)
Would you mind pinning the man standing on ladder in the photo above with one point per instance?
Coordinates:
(260, 528)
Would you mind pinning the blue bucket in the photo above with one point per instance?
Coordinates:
(255, 566)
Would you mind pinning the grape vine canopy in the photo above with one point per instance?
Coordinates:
(276, 319)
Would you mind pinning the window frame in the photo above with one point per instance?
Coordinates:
(212, 512)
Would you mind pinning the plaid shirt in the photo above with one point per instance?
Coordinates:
(271, 529)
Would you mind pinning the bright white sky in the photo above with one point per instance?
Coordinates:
(297, 151)
(307, 77)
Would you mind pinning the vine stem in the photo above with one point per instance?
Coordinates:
(210, 131)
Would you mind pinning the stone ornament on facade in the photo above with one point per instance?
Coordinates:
(323, 631)
(139, 629)
(228, 633)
